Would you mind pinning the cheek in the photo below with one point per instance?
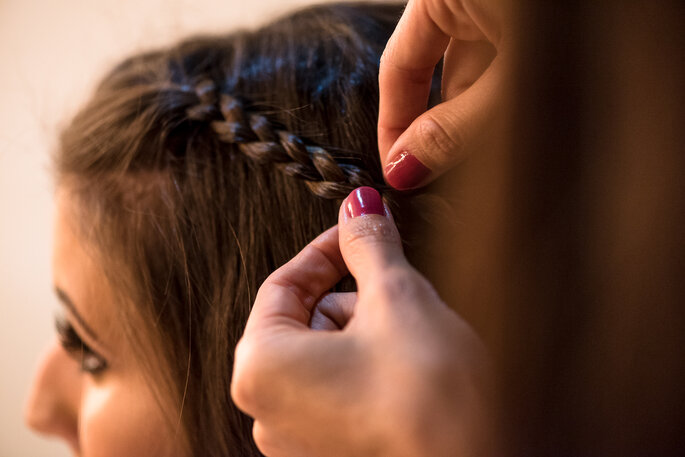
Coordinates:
(118, 419)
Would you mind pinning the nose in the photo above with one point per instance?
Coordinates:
(53, 402)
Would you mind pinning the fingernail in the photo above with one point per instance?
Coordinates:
(363, 201)
(405, 171)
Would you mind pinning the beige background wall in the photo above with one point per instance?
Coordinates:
(51, 54)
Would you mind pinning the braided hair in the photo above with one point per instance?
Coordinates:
(259, 140)
(198, 169)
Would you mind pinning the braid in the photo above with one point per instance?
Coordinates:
(256, 138)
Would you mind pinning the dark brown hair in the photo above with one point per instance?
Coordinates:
(199, 169)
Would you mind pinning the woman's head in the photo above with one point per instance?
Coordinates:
(191, 174)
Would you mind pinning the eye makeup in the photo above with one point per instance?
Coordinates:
(91, 362)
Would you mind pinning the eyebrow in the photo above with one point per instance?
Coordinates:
(66, 301)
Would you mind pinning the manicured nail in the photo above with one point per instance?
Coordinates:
(363, 201)
(405, 171)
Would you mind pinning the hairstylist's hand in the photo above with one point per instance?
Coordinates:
(417, 145)
(404, 377)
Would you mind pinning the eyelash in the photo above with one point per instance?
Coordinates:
(91, 362)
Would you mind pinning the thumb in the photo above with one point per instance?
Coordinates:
(436, 140)
(369, 241)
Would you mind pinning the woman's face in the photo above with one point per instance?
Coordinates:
(89, 388)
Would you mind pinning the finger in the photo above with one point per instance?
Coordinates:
(272, 442)
(416, 46)
(288, 295)
(264, 440)
(369, 240)
(435, 141)
(406, 72)
(333, 311)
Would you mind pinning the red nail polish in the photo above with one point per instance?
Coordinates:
(363, 201)
(405, 171)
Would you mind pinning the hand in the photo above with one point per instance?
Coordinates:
(417, 145)
(387, 371)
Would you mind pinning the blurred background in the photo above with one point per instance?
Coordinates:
(52, 52)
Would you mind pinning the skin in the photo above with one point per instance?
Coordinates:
(111, 413)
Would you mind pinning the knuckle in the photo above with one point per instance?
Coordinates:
(258, 434)
(440, 141)
(245, 377)
(263, 439)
